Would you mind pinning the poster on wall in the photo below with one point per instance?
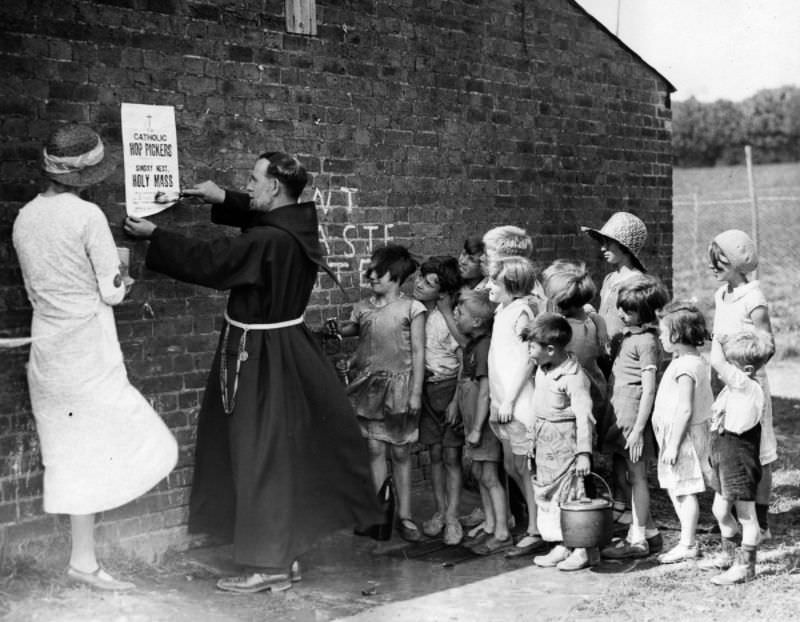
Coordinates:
(150, 148)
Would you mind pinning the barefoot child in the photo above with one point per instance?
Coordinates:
(735, 447)
(438, 277)
(510, 385)
(680, 421)
(389, 369)
(474, 314)
(627, 431)
(741, 305)
(563, 432)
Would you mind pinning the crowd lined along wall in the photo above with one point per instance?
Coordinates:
(421, 122)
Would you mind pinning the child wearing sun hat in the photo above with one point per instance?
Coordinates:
(621, 240)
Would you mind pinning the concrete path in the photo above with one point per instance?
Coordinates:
(529, 593)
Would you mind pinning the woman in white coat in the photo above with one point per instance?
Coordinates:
(102, 443)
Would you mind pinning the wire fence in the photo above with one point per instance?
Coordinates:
(709, 201)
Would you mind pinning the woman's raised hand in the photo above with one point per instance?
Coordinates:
(206, 190)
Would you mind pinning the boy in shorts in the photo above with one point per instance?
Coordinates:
(437, 277)
(735, 445)
(474, 314)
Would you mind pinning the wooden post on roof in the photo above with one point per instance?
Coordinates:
(301, 17)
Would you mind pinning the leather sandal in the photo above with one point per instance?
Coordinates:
(99, 579)
(528, 544)
(481, 537)
(256, 582)
(493, 545)
(408, 530)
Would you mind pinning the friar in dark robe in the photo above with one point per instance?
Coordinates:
(280, 461)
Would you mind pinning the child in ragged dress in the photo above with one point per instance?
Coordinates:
(389, 366)
(626, 427)
(735, 449)
(681, 421)
(741, 305)
(563, 431)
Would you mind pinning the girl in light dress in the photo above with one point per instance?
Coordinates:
(510, 385)
(740, 305)
(388, 369)
(681, 421)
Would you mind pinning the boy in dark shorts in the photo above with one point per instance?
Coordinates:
(735, 445)
(474, 315)
(437, 277)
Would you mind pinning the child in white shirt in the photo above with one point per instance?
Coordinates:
(735, 445)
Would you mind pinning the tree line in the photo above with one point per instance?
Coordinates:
(709, 134)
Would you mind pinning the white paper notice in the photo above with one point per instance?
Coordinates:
(150, 147)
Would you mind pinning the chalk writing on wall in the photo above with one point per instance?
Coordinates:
(348, 246)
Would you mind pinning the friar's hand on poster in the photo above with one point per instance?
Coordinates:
(139, 228)
(206, 190)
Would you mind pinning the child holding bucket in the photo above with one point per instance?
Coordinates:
(563, 429)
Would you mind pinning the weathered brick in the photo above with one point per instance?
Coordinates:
(435, 118)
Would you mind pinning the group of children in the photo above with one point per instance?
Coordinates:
(518, 371)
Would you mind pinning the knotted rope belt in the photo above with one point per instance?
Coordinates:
(229, 401)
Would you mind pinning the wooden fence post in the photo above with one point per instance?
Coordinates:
(748, 156)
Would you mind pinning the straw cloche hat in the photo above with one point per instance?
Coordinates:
(75, 156)
(739, 249)
(625, 229)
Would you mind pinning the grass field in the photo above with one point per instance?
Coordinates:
(707, 201)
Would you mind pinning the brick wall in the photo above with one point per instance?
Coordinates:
(423, 121)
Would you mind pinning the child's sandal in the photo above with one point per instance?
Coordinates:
(408, 530)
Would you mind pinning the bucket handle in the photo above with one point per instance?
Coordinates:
(579, 488)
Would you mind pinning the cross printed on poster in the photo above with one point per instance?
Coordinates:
(150, 147)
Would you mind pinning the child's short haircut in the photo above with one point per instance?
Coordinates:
(751, 347)
(715, 256)
(685, 323)
(394, 259)
(479, 305)
(474, 245)
(517, 275)
(548, 329)
(645, 295)
(508, 241)
(446, 268)
(568, 284)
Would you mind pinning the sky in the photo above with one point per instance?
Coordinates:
(710, 49)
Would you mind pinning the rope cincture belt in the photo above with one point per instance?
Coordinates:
(229, 402)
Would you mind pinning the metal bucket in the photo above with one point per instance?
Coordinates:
(585, 522)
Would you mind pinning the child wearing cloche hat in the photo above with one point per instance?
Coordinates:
(740, 305)
(621, 241)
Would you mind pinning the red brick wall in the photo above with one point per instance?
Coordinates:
(422, 121)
